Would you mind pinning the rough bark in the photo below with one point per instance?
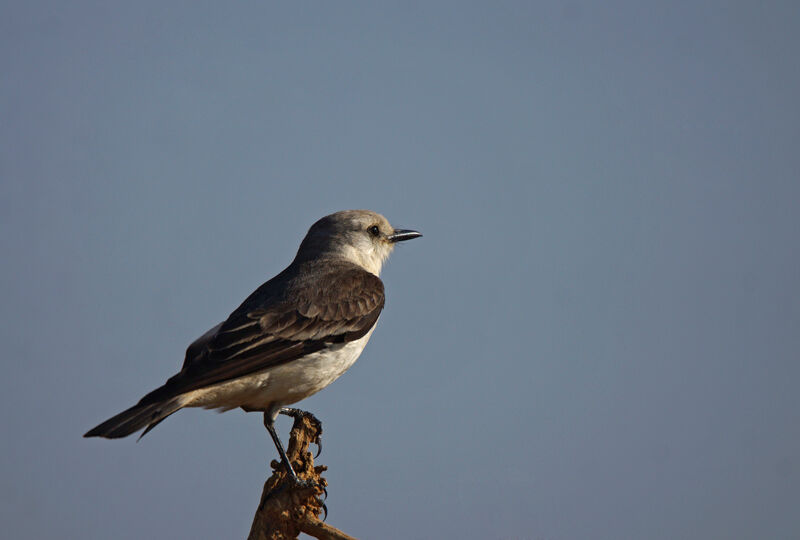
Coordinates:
(286, 509)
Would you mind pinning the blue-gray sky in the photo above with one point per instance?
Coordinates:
(597, 337)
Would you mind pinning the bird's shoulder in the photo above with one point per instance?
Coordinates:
(335, 289)
(325, 290)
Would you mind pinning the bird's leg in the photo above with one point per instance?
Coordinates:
(299, 413)
(269, 423)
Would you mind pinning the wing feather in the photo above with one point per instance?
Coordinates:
(284, 319)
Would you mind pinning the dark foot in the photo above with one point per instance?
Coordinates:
(299, 413)
(300, 483)
(293, 482)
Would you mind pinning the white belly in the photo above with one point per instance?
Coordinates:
(281, 385)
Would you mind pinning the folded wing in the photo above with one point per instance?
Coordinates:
(337, 304)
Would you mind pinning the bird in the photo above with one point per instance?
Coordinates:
(292, 337)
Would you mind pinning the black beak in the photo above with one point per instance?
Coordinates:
(403, 234)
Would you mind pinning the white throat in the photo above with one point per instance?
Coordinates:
(370, 260)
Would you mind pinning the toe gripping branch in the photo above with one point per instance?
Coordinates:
(292, 500)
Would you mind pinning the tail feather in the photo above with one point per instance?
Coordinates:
(137, 417)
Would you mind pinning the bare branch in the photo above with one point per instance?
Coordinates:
(286, 509)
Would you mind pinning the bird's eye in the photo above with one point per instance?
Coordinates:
(374, 230)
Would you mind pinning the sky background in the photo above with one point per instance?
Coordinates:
(597, 337)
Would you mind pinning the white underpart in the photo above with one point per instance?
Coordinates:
(281, 385)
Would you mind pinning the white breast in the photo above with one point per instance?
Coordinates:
(281, 385)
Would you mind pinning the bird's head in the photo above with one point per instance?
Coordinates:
(360, 236)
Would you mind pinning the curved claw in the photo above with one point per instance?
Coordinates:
(319, 447)
(325, 510)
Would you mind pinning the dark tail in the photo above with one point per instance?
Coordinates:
(141, 415)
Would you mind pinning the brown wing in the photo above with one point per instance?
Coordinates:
(286, 318)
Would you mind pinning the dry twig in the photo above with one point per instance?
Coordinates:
(286, 509)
